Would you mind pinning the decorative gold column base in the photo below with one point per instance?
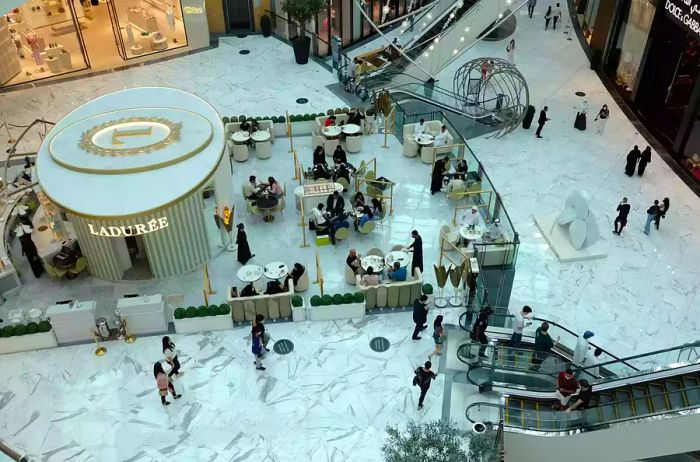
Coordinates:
(100, 351)
(130, 339)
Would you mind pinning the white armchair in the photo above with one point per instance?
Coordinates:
(426, 154)
(270, 127)
(329, 146)
(410, 147)
(353, 143)
(263, 149)
(240, 152)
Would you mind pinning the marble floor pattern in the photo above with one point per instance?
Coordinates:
(66, 405)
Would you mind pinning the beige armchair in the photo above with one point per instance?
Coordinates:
(353, 143)
(271, 306)
(302, 283)
(329, 146)
(267, 124)
(392, 294)
(263, 149)
(240, 152)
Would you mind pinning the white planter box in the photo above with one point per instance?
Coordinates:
(331, 312)
(205, 324)
(298, 128)
(28, 342)
(299, 313)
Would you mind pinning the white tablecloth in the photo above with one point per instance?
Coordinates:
(275, 270)
(250, 273)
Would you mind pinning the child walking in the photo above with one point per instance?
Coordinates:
(164, 384)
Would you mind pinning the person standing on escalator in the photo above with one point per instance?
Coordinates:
(543, 346)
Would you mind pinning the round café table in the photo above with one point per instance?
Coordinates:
(375, 261)
(351, 129)
(397, 256)
(331, 132)
(260, 136)
(240, 137)
(471, 234)
(275, 270)
(266, 204)
(424, 139)
(249, 273)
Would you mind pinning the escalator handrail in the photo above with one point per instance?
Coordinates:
(507, 368)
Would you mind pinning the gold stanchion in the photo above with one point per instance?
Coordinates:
(302, 223)
(289, 132)
(99, 349)
(206, 285)
(128, 338)
(386, 129)
(319, 274)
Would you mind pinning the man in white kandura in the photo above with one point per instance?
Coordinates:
(495, 232)
(419, 128)
(471, 217)
(441, 138)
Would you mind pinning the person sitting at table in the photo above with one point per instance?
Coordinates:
(330, 120)
(335, 204)
(251, 189)
(249, 290)
(319, 156)
(339, 156)
(322, 223)
(358, 200)
(369, 278)
(254, 127)
(377, 208)
(353, 261)
(441, 138)
(461, 170)
(321, 171)
(274, 287)
(274, 187)
(419, 128)
(398, 272)
(367, 215)
(343, 171)
(356, 117)
(438, 171)
(245, 126)
(494, 233)
(456, 184)
(295, 275)
(471, 218)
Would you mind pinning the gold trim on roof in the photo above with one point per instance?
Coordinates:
(87, 144)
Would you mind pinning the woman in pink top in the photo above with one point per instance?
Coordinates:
(164, 384)
(370, 279)
(274, 187)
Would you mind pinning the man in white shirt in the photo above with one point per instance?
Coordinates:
(441, 138)
(419, 128)
(471, 218)
(556, 14)
(592, 363)
(319, 217)
(582, 347)
(519, 324)
(495, 230)
(456, 184)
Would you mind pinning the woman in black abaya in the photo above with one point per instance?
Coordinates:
(243, 248)
(438, 170)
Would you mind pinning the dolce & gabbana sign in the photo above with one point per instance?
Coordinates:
(129, 230)
(686, 13)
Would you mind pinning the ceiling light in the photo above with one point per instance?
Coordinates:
(461, 39)
(466, 29)
(426, 54)
(454, 52)
(437, 39)
(431, 48)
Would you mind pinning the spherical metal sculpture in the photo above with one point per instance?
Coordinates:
(492, 91)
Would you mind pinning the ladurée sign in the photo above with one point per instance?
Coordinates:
(129, 230)
(686, 13)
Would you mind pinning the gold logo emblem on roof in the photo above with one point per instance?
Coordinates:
(130, 136)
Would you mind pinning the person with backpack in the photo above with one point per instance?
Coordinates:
(423, 376)
(479, 329)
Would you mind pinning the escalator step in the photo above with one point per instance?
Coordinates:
(692, 390)
(658, 400)
(676, 394)
(641, 401)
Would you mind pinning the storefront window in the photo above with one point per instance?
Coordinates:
(45, 38)
(589, 18)
(631, 40)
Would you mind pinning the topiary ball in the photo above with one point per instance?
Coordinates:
(180, 313)
(297, 301)
(32, 328)
(315, 300)
(44, 326)
(330, 112)
(282, 119)
(275, 119)
(226, 120)
(20, 329)
(326, 300)
(224, 308)
(202, 311)
(191, 312)
(241, 119)
(359, 297)
(338, 299)
(8, 331)
(348, 298)
(427, 289)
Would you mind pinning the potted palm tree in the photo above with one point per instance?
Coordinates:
(301, 12)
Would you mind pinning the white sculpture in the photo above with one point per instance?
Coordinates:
(583, 228)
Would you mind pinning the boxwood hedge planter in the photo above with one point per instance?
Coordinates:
(328, 308)
(202, 319)
(33, 336)
(298, 309)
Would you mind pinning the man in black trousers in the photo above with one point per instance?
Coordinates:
(622, 211)
(541, 121)
(420, 315)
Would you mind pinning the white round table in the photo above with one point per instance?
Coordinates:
(250, 273)
(332, 131)
(397, 256)
(471, 234)
(260, 135)
(275, 270)
(424, 139)
(375, 261)
(351, 129)
(240, 137)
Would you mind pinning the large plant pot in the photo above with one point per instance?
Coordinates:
(299, 313)
(302, 47)
(266, 26)
(203, 324)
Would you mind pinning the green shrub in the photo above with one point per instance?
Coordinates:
(234, 119)
(224, 308)
(297, 301)
(241, 118)
(348, 298)
(44, 326)
(202, 311)
(330, 112)
(20, 329)
(315, 300)
(282, 119)
(308, 117)
(8, 331)
(275, 119)
(180, 313)
(258, 119)
(359, 297)
(225, 120)
(326, 300)
(32, 328)
(427, 289)
(338, 299)
(191, 312)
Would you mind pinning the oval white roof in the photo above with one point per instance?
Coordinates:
(130, 152)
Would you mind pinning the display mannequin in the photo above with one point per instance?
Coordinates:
(130, 34)
(170, 15)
